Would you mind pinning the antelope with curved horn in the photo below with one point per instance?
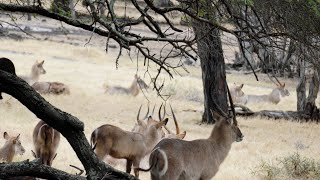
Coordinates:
(111, 140)
(46, 141)
(36, 70)
(11, 147)
(174, 159)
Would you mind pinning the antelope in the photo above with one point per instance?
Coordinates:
(36, 70)
(7, 65)
(141, 126)
(111, 140)
(174, 159)
(46, 141)
(237, 93)
(132, 90)
(11, 147)
(51, 88)
(274, 97)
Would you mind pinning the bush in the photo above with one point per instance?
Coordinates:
(291, 167)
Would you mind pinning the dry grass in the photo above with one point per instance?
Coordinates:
(86, 69)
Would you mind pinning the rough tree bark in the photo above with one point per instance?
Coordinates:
(213, 69)
(69, 126)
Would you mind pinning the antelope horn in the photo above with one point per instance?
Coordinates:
(175, 121)
(139, 113)
(232, 106)
(153, 110)
(159, 113)
(145, 117)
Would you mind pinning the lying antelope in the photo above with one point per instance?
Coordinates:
(46, 141)
(51, 88)
(274, 97)
(174, 159)
(111, 140)
(11, 147)
(237, 93)
(7, 65)
(133, 90)
(36, 70)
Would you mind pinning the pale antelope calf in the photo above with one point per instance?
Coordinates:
(11, 147)
(237, 93)
(175, 159)
(111, 140)
(274, 97)
(133, 90)
(46, 141)
(51, 88)
(36, 70)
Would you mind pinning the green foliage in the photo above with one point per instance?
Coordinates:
(61, 7)
(291, 167)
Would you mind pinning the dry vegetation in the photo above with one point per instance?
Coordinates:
(87, 68)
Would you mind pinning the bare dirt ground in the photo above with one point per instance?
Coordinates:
(86, 68)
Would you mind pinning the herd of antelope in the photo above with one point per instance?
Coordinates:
(169, 156)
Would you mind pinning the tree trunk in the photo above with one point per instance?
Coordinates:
(301, 88)
(213, 69)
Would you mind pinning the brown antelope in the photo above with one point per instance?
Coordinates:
(11, 147)
(36, 70)
(46, 141)
(133, 90)
(111, 140)
(174, 159)
(274, 97)
(7, 65)
(51, 88)
(236, 93)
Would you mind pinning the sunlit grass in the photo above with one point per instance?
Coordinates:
(87, 69)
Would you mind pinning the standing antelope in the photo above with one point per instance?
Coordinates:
(174, 159)
(51, 88)
(7, 65)
(274, 97)
(46, 141)
(11, 147)
(132, 90)
(36, 70)
(111, 140)
(237, 93)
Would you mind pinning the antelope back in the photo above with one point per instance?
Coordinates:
(46, 141)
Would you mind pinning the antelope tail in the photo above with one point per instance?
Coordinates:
(154, 161)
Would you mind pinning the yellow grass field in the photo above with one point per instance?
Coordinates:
(87, 68)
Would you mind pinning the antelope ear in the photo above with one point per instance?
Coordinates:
(162, 123)
(6, 135)
(17, 138)
(283, 85)
(41, 62)
(241, 86)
